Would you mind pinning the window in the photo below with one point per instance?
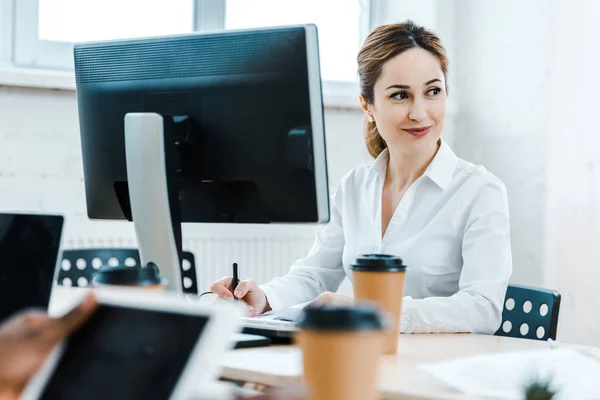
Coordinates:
(342, 25)
(79, 21)
(44, 30)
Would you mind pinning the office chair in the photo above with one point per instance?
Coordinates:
(530, 313)
(78, 266)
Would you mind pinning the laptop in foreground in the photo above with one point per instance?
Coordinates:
(29, 254)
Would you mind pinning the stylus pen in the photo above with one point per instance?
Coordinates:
(235, 281)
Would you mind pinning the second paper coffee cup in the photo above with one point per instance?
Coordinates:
(341, 346)
(380, 278)
(146, 277)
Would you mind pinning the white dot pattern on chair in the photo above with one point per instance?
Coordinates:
(507, 326)
(67, 282)
(524, 329)
(186, 265)
(96, 263)
(527, 306)
(540, 332)
(82, 282)
(187, 282)
(65, 265)
(81, 264)
(113, 262)
(130, 262)
(544, 310)
(510, 304)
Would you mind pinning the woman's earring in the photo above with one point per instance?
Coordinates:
(370, 118)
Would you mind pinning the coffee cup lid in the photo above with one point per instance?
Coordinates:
(364, 317)
(128, 276)
(378, 263)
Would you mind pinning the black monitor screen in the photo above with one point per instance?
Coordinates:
(243, 123)
(29, 250)
(125, 353)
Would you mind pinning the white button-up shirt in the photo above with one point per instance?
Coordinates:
(451, 229)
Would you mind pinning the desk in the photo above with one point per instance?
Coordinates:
(280, 366)
(399, 376)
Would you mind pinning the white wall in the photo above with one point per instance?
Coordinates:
(40, 156)
(502, 67)
(573, 170)
(528, 84)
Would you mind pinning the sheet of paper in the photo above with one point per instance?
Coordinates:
(301, 305)
(505, 375)
(285, 314)
(284, 362)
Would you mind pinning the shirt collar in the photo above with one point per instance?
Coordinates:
(380, 165)
(442, 167)
(440, 170)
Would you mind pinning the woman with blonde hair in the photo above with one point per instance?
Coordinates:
(445, 217)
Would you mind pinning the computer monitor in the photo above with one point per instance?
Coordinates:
(207, 127)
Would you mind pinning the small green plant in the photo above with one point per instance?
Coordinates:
(539, 390)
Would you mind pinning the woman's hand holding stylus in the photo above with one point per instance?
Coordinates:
(247, 290)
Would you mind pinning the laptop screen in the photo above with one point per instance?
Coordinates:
(29, 247)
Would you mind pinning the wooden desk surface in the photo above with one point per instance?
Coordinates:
(399, 376)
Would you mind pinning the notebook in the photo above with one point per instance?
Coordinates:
(29, 254)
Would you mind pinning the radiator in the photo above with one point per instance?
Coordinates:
(260, 258)
(261, 252)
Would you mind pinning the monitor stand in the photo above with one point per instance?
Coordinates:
(153, 196)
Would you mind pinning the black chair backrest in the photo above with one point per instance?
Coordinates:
(78, 266)
(530, 313)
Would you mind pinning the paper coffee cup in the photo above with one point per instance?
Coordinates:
(143, 277)
(340, 348)
(380, 278)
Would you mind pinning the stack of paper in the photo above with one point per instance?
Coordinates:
(574, 375)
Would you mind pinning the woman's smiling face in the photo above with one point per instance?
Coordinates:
(409, 102)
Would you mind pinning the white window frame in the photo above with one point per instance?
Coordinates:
(32, 52)
(6, 30)
(29, 50)
(23, 51)
(209, 15)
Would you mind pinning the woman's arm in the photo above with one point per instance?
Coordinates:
(321, 270)
(487, 267)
